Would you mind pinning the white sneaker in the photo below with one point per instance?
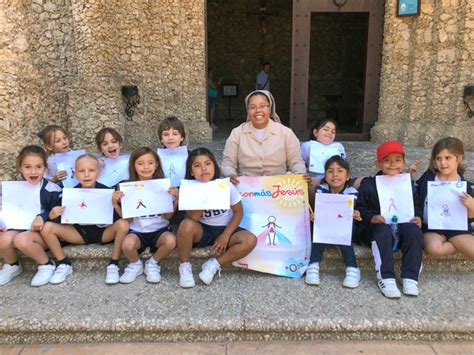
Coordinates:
(60, 274)
(312, 274)
(152, 271)
(112, 276)
(131, 272)
(186, 278)
(43, 275)
(410, 287)
(352, 277)
(8, 272)
(389, 288)
(209, 269)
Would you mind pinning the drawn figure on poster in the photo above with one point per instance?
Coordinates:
(72, 173)
(391, 205)
(140, 204)
(445, 212)
(272, 233)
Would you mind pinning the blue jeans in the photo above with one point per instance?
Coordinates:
(347, 252)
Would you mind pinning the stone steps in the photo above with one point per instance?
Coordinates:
(240, 305)
(94, 257)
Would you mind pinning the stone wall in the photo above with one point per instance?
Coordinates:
(427, 61)
(64, 62)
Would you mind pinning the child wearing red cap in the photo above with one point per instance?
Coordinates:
(391, 161)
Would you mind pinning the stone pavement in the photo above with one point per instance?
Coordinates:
(238, 348)
(243, 305)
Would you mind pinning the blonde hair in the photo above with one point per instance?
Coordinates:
(87, 156)
(47, 135)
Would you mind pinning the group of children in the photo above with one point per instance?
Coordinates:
(221, 229)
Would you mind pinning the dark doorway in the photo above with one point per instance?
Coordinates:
(241, 35)
(338, 50)
(337, 77)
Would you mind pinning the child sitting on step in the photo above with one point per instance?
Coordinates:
(391, 162)
(87, 170)
(446, 164)
(151, 231)
(217, 228)
(336, 181)
(32, 164)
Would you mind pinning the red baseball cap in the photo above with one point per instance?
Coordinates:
(388, 148)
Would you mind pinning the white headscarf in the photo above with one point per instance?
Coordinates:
(273, 115)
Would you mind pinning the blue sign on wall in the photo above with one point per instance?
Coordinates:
(408, 7)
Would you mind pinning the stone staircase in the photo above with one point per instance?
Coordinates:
(239, 305)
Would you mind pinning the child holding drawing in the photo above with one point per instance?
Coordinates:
(87, 170)
(31, 163)
(151, 231)
(173, 156)
(391, 162)
(56, 141)
(219, 228)
(446, 164)
(336, 181)
(114, 166)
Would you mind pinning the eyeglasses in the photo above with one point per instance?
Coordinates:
(255, 108)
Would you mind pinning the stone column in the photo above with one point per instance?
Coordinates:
(427, 62)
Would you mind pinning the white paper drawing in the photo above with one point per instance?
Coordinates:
(395, 197)
(212, 195)
(146, 197)
(445, 210)
(319, 154)
(173, 162)
(20, 204)
(114, 170)
(65, 161)
(333, 219)
(87, 206)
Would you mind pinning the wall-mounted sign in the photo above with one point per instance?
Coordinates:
(230, 90)
(408, 7)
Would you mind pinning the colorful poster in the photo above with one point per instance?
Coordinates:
(87, 206)
(173, 162)
(276, 211)
(212, 195)
(396, 197)
(445, 210)
(114, 170)
(20, 204)
(66, 162)
(146, 197)
(333, 219)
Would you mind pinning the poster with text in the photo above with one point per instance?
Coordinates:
(276, 211)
